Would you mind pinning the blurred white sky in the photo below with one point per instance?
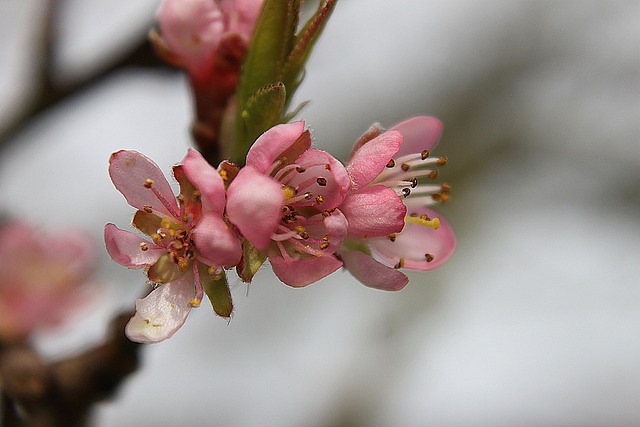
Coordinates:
(535, 320)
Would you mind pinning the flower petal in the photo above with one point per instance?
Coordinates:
(254, 203)
(207, 180)
(372, 157)
(372, 273)
(161, 313)
(216, 242)
(298, 273)
(324, 165)
(373, 211)
(271, 144)
(416, 241)
(125, 248)
(130, 170)
(420, 133)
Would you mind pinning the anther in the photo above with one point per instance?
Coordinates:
(446, 188)
(308, 196)
(404, 167)
(319, 199)
(391, 163)
(148, 183)
(321, 181)
(300, 169)
(147, 209)
(436, 197)
(405, 192)
(143, 246)
(424, 154)
(324, 245)
(433, 175)
(392, 237)
(424, 217)
(414, 182)
(429, 257)
(327, 167)
(304, 235)
(400, 264)
(442, 161)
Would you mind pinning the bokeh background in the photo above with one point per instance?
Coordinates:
(534, 321)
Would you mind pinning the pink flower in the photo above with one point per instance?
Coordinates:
(44, 277)
(388, 206)
(195, 29)
(284, 202)
(190, 241)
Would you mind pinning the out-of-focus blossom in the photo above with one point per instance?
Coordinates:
(43, 277)
(388, 205)
(190, 241)
(198, 32)
(284, 202)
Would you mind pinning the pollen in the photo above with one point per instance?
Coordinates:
(289, 192)
(324, 245)
(319, 199)
(195, 302)
(148, 183)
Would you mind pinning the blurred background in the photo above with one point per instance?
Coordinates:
(534, 321)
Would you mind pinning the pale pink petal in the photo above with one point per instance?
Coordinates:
(420, 133)
(416, 241)
(242, 15)
(130, 170)
(125, 248)
(271, 144)
(254, 203)
(216, 242)
(161, 313)
(207, 180)
(372, 157)
(305, 271)
(192, 28)
(372, 273)
(374, 131)
(322, 164)
(373, 211)
(336, 227)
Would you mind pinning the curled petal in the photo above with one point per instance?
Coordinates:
(336, 182)
(271, 144)
(336, 227)
(372, 157)
(254, 203)
(128, 249)
(372, 273)
(422, 248)
(216, 242)
(207, 180)
(298, 273)
(373, 211)
(161, 313)
(142, 182)
(420, 133)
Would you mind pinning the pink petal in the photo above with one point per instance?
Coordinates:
(216, 242)
(207, 180)
(373, 132)
(192, 28)
(372, 157)
(271, 144)
(323, 164)
(243, 15)
(303, 272)
(415, 241)
(420, 133)
(130, 170)
(371, 273)
(373, 211)
(254, 203)
(336, 226)
(161, 313)
(124, 248)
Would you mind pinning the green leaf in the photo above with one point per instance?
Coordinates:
(263, 110)
(304, 43)
(215, 286)
(252, 260)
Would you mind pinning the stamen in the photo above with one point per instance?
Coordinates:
(197, 300)
(143, 246)
(424, 221)
(424, 154)
(148, 183)
(147, 209)
(442, 161)
(391, 163)
(429, 257)
(392, 237)
(319, 199)
(400, 264)
(404, 167)
(321, 181)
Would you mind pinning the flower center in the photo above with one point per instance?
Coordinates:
(175, 239)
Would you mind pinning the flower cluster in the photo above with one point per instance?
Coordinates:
(292, 204)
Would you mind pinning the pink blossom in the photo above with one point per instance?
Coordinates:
(194, 29)
(189, 239)
(284, 203)
(44, 277)
(388, 206)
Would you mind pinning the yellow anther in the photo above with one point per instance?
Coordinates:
(183, 264)
(165, 223)
(148, 183)
(433, 223)
(143, 246)
(195, 302)
(289, 192)
(156, 238)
